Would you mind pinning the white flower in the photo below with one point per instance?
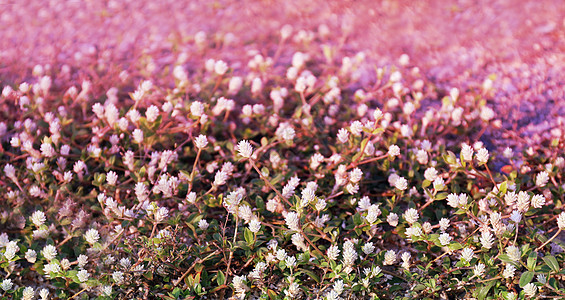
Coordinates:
(220, 178)
(255, 225)
(373, 213)
(530, 290)
(118, 277)
(10, 172)
(479, 269)
(292, 221)
(220, 67)
(542, 179)
(467, 254)
(333, 252)
(444, 239)
(38, 218)
(515, 216)
(538, 201)
(31, 256)
(430, 174)
(482, 156)
(513, 253)
(368, 248)
(411, 215)
(106, 290)
(487, 239)
(509, 271)
(235, 85)
(561, 221)
(138, 135)
(290, 262)
(401, 183)
(393, 151)
(152, 113)
(111, 177)
(197, 108)
(91, 236)
(201, 141)
(467, 153)
(83, 275)
(203, 224)
(49, 252)
(390, 257)
(245, 149)
(392, 219)
(343, 135)
(6, 284)
(443, 224)
(28, 293)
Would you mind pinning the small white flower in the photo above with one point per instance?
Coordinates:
(530, 290)
(290, 262)
(82, 260)
(393, 151)
(138, 135)
(487, 239)
(479, 269)
(28, 293)
(245, 149)
(467, 153)
(255, 225)
(333, 252)
(6, 284)
(38, 218)
(152, 113)
(49, 252)
(513, 253)
(542, 179)
(444, 224)
(203, 224)
(411, 215)
(444, 239)
(538, 201)
(201, 141)
(509, 271)
(390, 257)
(392, 219)
(368, 248)
(467, 254)
(220, 67)
(91, 236)
(83, 275)
(401, 183)
(343, 135)
(31, 256)
(111, 177)
(561, 221)
(516, 216)
(482, 156)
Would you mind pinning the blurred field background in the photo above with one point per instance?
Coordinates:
(454, 43)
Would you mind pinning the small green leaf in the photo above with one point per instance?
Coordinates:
(551, 262)
(532, 259)
(248, 234)
(526, 278)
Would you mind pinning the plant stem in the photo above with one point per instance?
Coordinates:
(551, 239)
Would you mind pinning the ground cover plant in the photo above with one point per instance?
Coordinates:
(301, 171)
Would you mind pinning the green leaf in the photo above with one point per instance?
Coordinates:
(221, 278)
(532, 259)
(526, 278)
(441, 196)
(483, 291)
(248, 234)
(551, 262)
(311, 275)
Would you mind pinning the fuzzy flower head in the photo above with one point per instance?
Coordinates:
(201, 141)
(245, 149)
(92, 236)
